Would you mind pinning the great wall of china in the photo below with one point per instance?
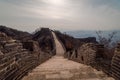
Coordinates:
(18, 58)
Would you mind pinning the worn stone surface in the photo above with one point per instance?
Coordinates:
(59, 68)
(59, 47)
(19, 57)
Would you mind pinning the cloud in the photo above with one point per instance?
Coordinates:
(63, 14)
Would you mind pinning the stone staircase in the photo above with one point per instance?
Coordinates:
(59, 68)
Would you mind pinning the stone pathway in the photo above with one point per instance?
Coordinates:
(59, 68)
(59, 48)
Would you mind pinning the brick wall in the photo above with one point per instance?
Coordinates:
(16, 61)
(116, 63)
(91, 54)
(85, 54)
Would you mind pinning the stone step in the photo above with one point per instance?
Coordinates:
(54, 70)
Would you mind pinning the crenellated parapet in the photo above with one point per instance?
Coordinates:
(16, 59)
(91, 54)
(115, 66)
(87, 53)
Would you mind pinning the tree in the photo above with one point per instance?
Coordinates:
(106, 41)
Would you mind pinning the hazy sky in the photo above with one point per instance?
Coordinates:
(61, 14)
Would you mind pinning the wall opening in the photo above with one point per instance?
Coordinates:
(82, 58)
(28, 45)
(70, 53)
(76, 54)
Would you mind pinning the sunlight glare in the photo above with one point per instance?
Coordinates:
(57, 1)
(54, 2)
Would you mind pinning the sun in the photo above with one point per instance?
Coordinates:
(54, 2)
(57, 2)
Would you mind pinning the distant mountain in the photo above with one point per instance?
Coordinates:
(84, 34)
(16, 34)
